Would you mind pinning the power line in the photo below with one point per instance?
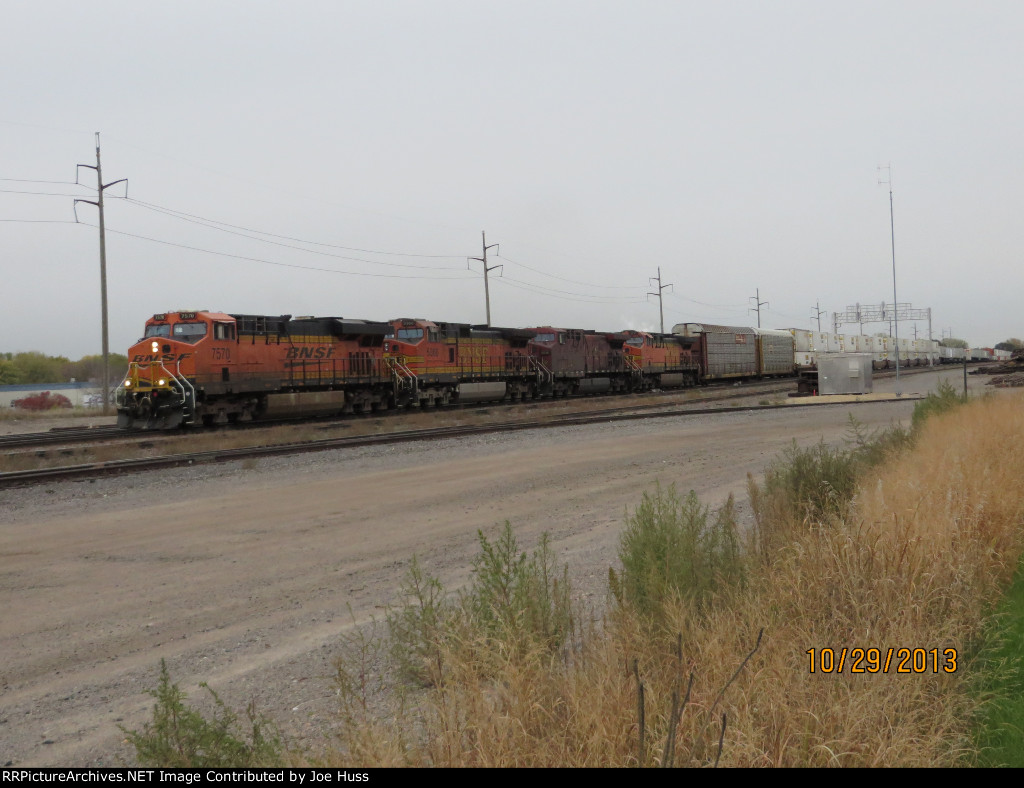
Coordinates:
(234, 230)
(564, 279)
(312, 251)
(38, 194)
(40, 221)
(733, 307)
(39, 126)
(570, 292)
(36, 180)
(212, 222)
(277, 191)
(270, 262)
(783, 314)
(566, 295)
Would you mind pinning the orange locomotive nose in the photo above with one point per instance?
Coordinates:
(158, 389)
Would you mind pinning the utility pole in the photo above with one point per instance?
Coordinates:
(818, 312)
(661, 310)
(98, 202)
(759, 303)
(487, 290)
(895, 301)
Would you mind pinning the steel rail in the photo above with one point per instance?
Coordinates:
(67, 436)
(113, 467)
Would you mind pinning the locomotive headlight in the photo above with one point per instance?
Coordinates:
(161, 382)
(127, 384)
(155, 346)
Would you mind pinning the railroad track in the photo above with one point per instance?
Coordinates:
(73, 436)
(59, 437)
(114, 467)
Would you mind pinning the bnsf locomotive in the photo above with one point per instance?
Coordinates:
(210, 367)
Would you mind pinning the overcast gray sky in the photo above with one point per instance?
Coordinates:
(342, 158)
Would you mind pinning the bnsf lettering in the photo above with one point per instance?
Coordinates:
(141, 359)
(310, 352)
(469, 354)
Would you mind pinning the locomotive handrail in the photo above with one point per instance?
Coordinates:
(546, 375)
(186, 389)
(402, 375)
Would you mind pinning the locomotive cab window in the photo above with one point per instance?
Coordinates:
(635, 341)
(223, 331)
(544, 338)
(410, 335)
(159, 330)
(189, 332)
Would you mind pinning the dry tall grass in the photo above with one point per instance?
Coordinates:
(914, 563)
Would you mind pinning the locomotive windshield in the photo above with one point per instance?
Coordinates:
(635, 341)
(411, 335)
(159, 330)
(189, 332)
(544, 338)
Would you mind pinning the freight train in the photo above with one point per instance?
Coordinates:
(202, 367)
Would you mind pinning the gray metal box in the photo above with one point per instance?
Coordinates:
(844, 373)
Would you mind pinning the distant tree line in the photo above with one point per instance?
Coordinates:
(1010, 344)
(35, 367)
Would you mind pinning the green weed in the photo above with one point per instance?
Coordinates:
(943, 399)
(179, 736)
(674, 547)
(514, 600)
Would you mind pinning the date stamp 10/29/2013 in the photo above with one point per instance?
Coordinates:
(882, 660)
